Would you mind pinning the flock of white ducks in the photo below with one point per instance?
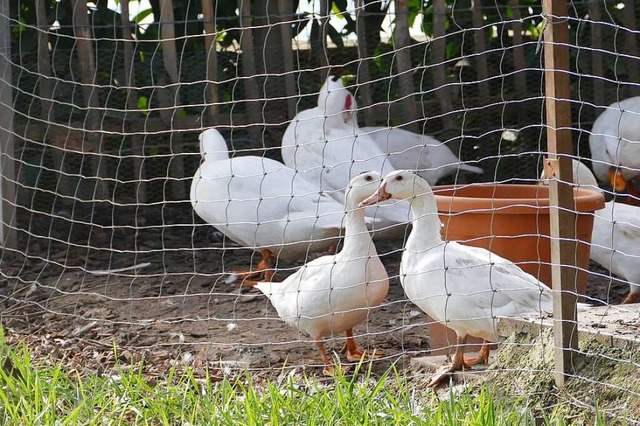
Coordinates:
(330, 186)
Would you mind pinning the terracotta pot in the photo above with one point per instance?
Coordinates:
(513, 222)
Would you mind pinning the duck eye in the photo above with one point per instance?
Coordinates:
(368, 178)
(398, 177)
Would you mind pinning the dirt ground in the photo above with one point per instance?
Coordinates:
(177, 308)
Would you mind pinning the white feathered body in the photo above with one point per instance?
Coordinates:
(431, 158)
(330, 154)
(330, 294)
(261, 204)
(466, 288)
(615, 140)
(325, 145)
(334, 293)
(462, 287)
(618, 226)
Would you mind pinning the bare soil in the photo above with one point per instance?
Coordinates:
(178, 309)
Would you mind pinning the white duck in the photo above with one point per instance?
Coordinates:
(615, 145)
(431, 158)
(332, 294)
(465, 288)
(615, 241)
(324, 144)
(262, 204)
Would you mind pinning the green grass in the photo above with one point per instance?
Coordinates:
(46, 395)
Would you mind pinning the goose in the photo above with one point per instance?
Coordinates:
(615, 146)
(615, 241)
(261, 204)
(432, 159)
(463, 287)
(334, 293)
(325, 146)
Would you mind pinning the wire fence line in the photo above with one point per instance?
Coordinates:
(109, 249)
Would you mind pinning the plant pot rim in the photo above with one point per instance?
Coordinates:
(503, 198)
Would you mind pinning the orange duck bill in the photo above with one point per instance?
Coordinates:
(617, 180)
(376, 197)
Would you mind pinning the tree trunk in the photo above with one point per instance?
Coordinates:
(137, 143)
(87, 65)
(322, 56)
(168, 37)
(44, 61)
(249, 71)
(519, 62)
(170, 60)
(631, 46)
(437, 58)
(286, 16)
(372, 19)
(480, 47)
(212, 61)
(402, 47)
(167, 94)
(363, 77)
(597, 69)
(8, 237)
(273, 51)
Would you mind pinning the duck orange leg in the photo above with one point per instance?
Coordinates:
(483, 355)
(458, 364)
(329, 367)
(263, 272)
(353, 353)
(631, 298)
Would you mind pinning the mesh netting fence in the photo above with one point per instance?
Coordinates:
(107, 115)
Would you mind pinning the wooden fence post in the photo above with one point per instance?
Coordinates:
(562, 205)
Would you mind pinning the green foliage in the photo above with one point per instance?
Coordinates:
(143, 104)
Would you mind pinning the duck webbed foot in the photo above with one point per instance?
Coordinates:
(355, 354)
(263, 272)
(329, 367)
(483, 356)
(458, 364)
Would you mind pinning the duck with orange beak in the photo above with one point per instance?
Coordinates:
(615, 148)
(465, 288)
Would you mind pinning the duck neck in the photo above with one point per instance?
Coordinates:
(425, 221)
(213, 147)
(216, 156)
(356, 233)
